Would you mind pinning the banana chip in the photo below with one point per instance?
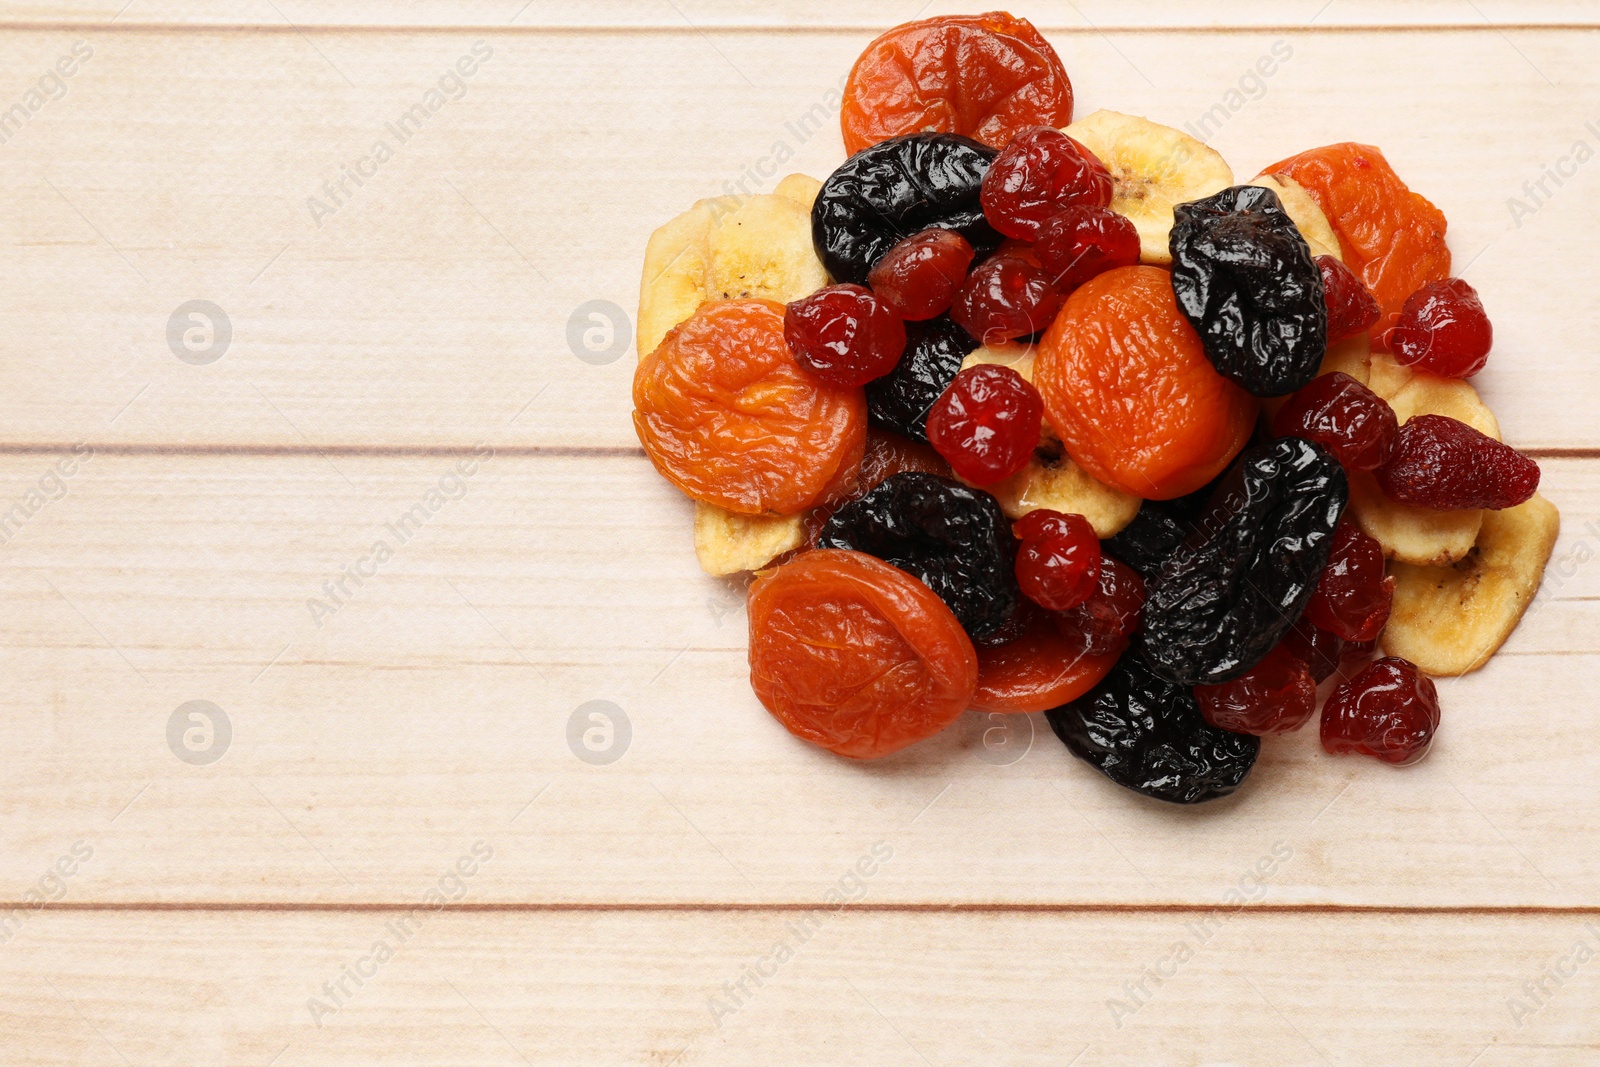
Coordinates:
(1308, 218)
(727, 543)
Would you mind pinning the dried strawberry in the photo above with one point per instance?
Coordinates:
(1444, 464)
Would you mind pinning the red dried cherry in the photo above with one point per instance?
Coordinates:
(1443, 328)
(1444, 464)
(1085, 240)
(1006, 297)
(1390, 711)
(1353, 596)
(1315, 647)
(1058, 562)
(1352, 308)
(1276, 696)
(986, 424)
(1108, 618)
(844, 335)
(1040, 172)
(919, 276)
(1334, 410)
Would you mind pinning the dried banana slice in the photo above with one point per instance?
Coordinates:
(1153, 167)
(1450, 620)
(1051, 480)
(723, 248)
(1308, 218)
(1419, 536)
(1351, 356)
(727, 543)
(801, 188)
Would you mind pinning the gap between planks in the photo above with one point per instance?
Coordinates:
(784, 908)
(684, 29)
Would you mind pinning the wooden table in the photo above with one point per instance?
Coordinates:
(381, 837)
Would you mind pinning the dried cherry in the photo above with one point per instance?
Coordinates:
(919, 276)
(1351, 308)
(1444, 464)
(1276, 696)
(897, 188)
(1006, 297)
(1128, 388)
(1443, 328)
(1230, 592)
(1040, 173)
(856, 656)
(1038, 668)
(986, 76)
(1058, 561)
(1315, 647)
(1339, 413)
(953, 537)
(1390, 711)
(727, 414)
(986, 424)
(1245, 279)
(1081, 242)
(1353, 595)
(901, 399)
(1147, 734)
(1103, 623)
(844, 335)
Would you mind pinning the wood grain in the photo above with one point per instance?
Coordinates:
(433, 306)
(431, 704)
(1433, 991)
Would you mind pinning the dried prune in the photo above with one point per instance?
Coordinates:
(897, 188)
(1240, 580)
(1146, 542)
(900, 400)
(953, 537)
(1146, 733)
(1245, 279)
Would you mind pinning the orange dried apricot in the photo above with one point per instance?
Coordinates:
(855, 655)
(1039, 670)
(728, 416)
(1390, 236)
(982, 76)
(1129, 390)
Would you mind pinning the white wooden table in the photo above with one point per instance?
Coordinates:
(406, 742)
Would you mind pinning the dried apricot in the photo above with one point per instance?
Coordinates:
(727, 415)
(855, 655)
(1038, 670)
(984, 76)
(1390, 236)
(1127, 385)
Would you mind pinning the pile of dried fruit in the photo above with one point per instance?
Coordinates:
(1020, 414)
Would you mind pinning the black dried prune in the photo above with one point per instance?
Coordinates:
(1245, 280)
(1147, 734)
(1146, 542)
(1243, 575)
(894, 189)
(900, 400)
(953, 537)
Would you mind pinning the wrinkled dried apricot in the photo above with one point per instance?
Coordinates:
(855, 655)
(728, 416)
(984, 76)
(1127, 385)
(1038, 670)
(1390, 236)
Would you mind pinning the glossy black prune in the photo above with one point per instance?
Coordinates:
(1242, 576)
(900, 400)
(1245, 279)
(1147, 734)
(896, 188)
(953, 537)
(1146, 542)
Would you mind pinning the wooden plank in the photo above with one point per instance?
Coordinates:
(433, 305)
(630, 988)
(1055, 15)
(432, 707)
